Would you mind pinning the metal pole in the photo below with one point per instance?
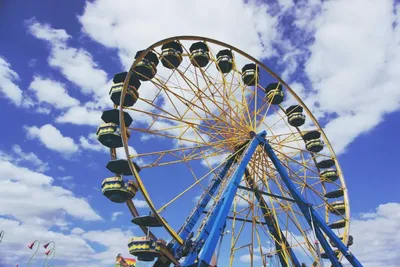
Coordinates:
(319, 253)
(219, 246)
(316, 242)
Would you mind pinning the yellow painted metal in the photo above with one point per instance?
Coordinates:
(246, 121)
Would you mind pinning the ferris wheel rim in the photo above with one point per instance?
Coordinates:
(142, 187)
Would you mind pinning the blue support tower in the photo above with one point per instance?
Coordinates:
(205, 244)
(312, 217)
(215, 224)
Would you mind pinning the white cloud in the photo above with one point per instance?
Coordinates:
(29, 195)
(352, 61)
(52, 92)
(65, 178)
(77, 65)
(357, 75)
(77, 231)
(19, 235)
(81, 115)
(247, 258)
(343, 89)
(377, 236)
(114, 240)
(67, 181)
(286, 4)
(12, 172)
(31, 158)
(8, 87)
(132, 152)
(38, 210)
(52, 138)
(140, 203)
(121, 152)
(72, 249)
(243, 198)
(257, 249)
(108, 21)
(45, 202)
(214, 160)
(115, 215)
(91, 143)
(43, 110)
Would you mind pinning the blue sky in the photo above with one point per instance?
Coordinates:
(57, 60)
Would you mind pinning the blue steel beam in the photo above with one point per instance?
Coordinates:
(271, 223)
(215, 223)
(312, 216)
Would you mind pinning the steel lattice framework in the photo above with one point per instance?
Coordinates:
(280, 194)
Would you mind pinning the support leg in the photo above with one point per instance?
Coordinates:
(310, 214)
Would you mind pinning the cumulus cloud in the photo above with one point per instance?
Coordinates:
(115, 215)
(344, 89)
(107, 22)
(140, 203)
(77, 231)
(73, 249)
(349, 61)
(35, 209)
(91, 143)
(52, 138)
(30, 157)
(77, 65)
(344, 78)
(356, 76)
(81, 115)
(132, 152)
(52, 92)
(79, 68)
(247, 258)
(42, 203)
(377, 236)
(26, 195)
(8, 87)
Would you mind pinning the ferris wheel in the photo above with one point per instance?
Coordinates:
(235, 169)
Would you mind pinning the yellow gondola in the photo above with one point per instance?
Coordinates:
(109, 135)
(146, 69)
(117, 190)
(146, 248)
(274, 93)
(295, 115)
(225, 61)
(171, 55)
(199, 54)
(337, 207)
(250, 74)
(313, 142)
(329, 175)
